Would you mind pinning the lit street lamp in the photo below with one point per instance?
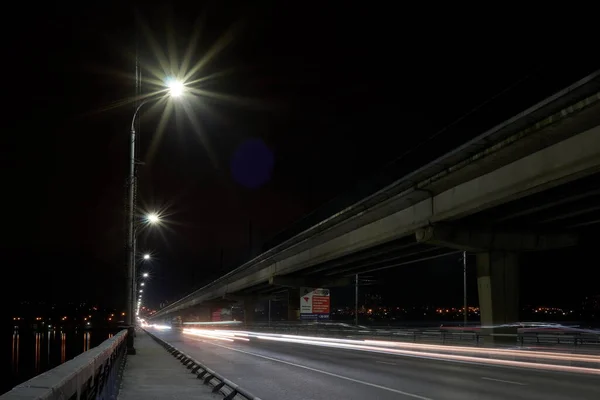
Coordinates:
(175, 89)
(145, 274)
(153, 218)
(146, 256)
(142, 284)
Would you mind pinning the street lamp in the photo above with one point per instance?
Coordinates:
(145, 275)
(175, 89)
(146, 256)
(152, 218)
(142, 284)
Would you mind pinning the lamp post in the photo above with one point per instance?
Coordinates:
(176, 89)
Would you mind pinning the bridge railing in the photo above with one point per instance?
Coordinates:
(94, 374)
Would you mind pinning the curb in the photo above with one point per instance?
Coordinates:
(209, 377)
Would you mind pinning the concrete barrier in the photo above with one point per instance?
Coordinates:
(92, 374)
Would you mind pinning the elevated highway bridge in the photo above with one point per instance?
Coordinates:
(531, 183)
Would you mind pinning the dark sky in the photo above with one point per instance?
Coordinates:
(335, 94)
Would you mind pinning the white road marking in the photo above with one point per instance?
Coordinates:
(503, 381)
(383, 362)
(416, 396)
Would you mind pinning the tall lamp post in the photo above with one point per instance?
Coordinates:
(176, 89)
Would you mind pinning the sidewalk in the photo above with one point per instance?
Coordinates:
(155, 374)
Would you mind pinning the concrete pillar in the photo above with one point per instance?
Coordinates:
(498, 288)
(249, 307)
(293, 304)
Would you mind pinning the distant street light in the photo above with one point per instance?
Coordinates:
(141, 291)
(146, 256)
(145, 274)
(142, 284)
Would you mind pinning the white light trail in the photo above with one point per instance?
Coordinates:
(444, 352)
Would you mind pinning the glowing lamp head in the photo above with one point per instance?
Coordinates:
(153, 219)
(176, 88)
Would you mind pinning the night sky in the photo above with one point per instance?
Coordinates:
(315, 100)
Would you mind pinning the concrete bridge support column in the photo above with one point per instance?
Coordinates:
(497, 266)
(293, 304)
(498, 289)
(249, 307)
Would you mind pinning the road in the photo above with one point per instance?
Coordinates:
(292, 371)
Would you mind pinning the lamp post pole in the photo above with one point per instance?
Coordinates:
(131, 237)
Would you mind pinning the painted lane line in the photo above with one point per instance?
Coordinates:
(387, 363)
(503, 381)
(416, 396)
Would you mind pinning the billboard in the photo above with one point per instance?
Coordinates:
(314, 303)
(221, 314)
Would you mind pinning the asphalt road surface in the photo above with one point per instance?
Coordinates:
(279, 370)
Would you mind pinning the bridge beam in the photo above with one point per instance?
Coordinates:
(297, 282)
(480, 240)
(242, 298)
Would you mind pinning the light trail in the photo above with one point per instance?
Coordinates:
(444, 352)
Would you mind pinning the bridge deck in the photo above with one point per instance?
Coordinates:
(155, 374)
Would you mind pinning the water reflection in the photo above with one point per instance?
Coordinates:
(86, 341)
(38, 340)
(15, 351)
(63, 347)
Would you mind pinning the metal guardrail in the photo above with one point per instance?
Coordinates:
(209, 377)
(94, 374)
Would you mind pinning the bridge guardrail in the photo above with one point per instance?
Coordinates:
(219, 383)
(93, 374)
